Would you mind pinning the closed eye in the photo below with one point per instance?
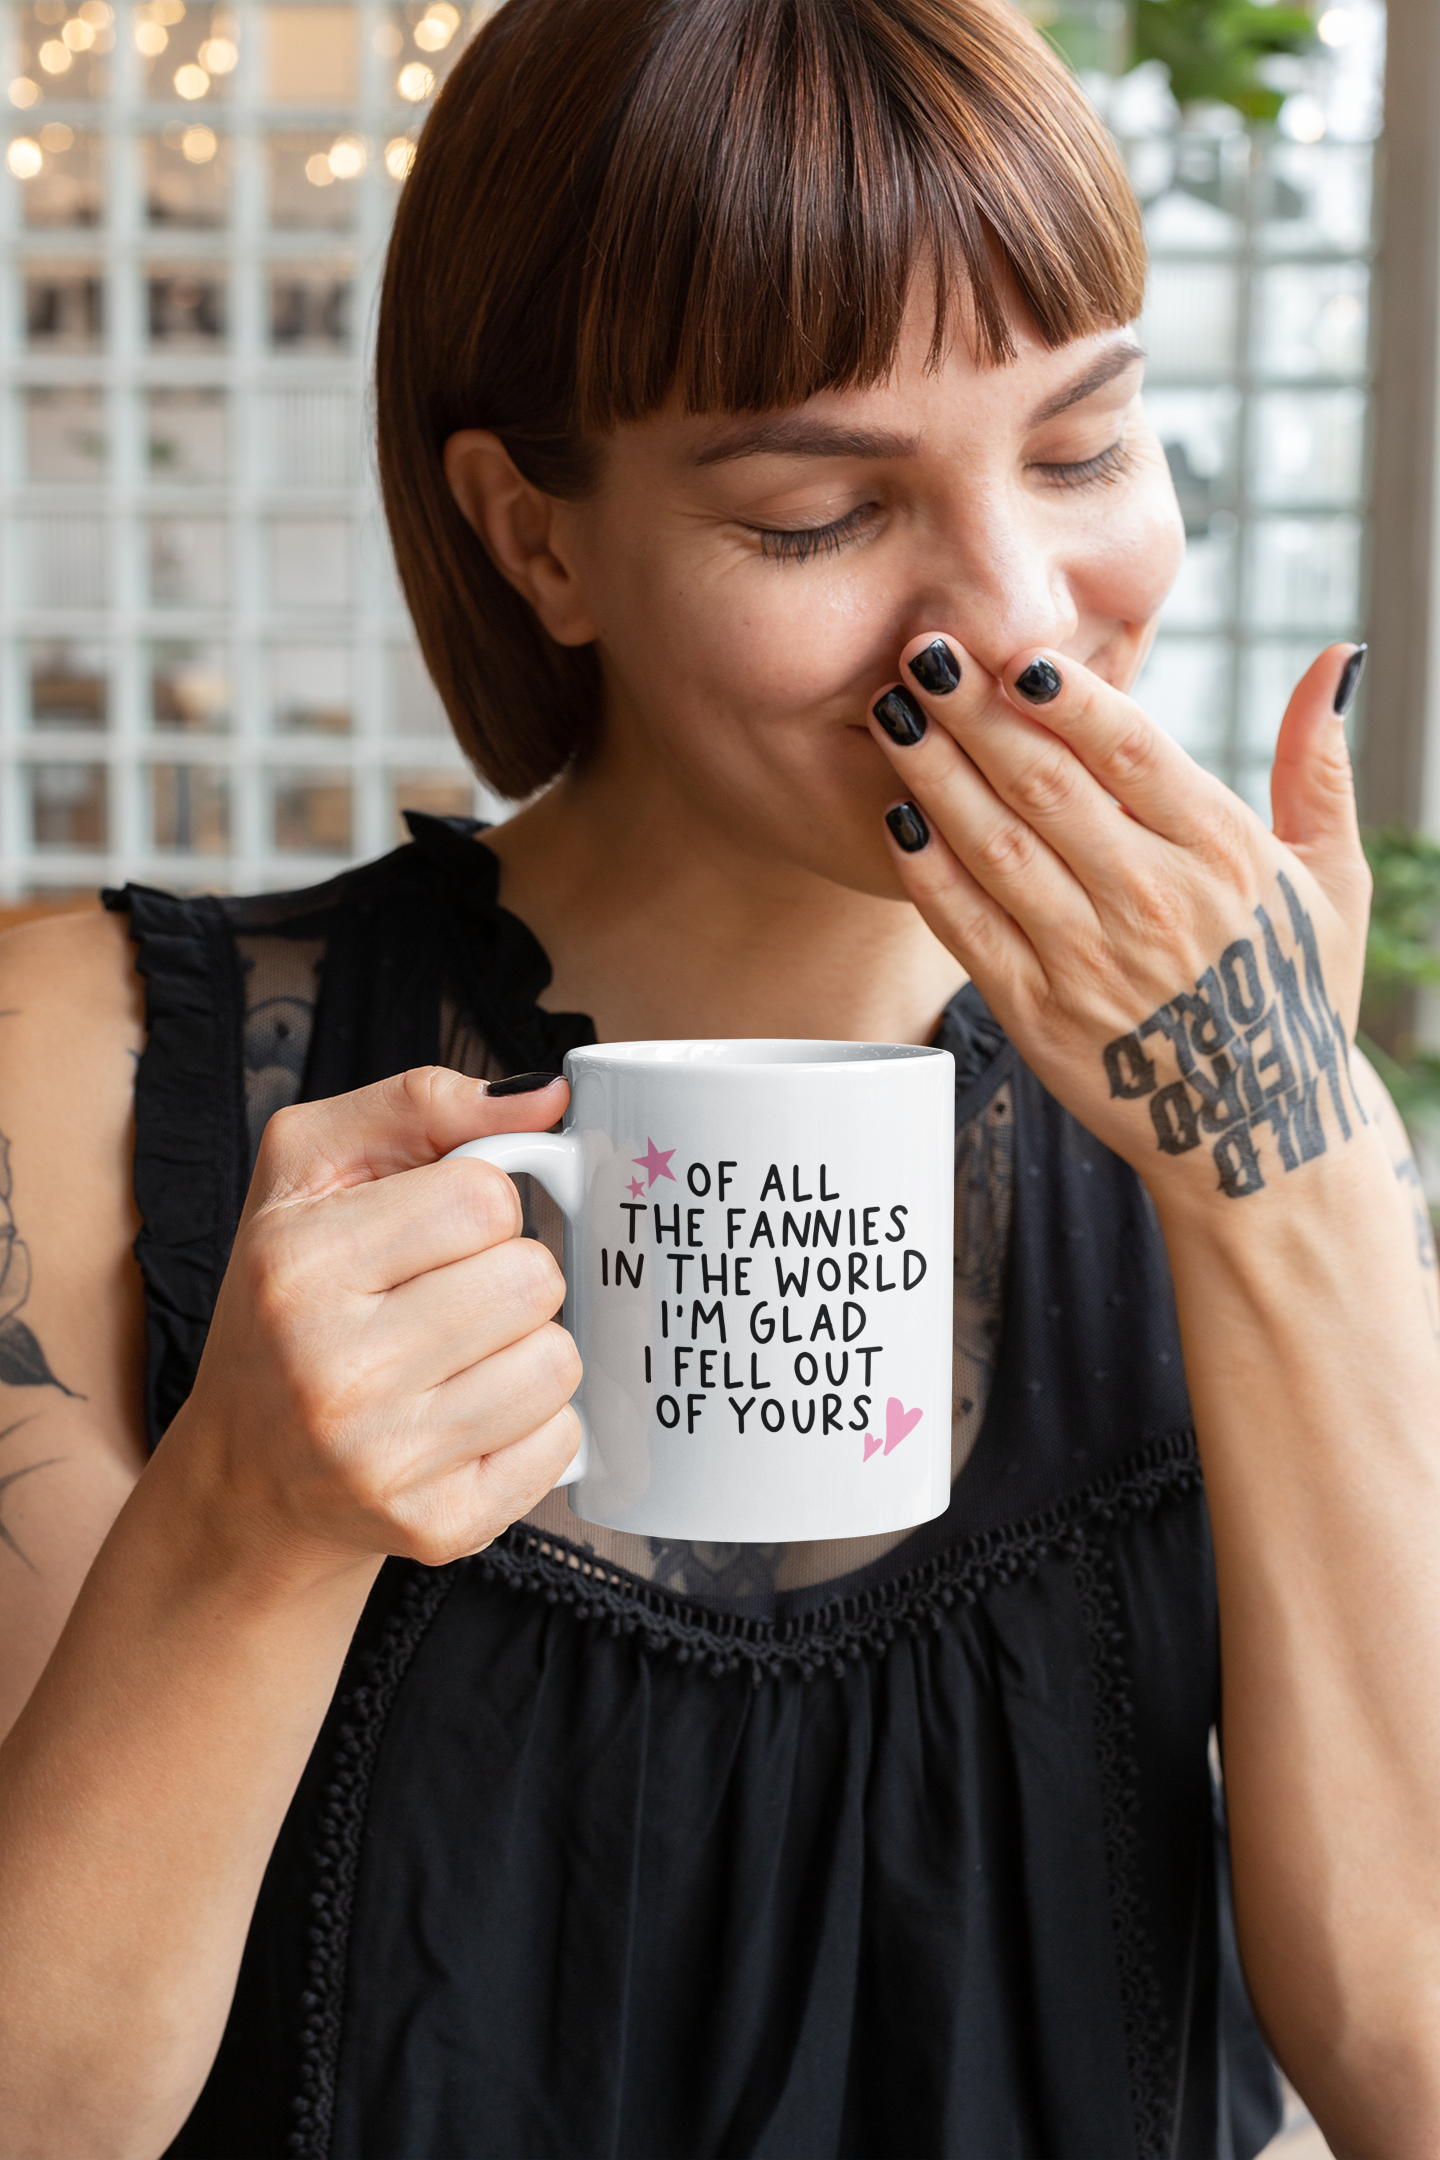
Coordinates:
(1102, 471)
(801, 543)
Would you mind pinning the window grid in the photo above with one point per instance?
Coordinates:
(240, 783)
(129, 594)
(1258, 324)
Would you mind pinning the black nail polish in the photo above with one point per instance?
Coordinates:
(1040, 682)
(936, 669)
(900, 716)
(908, 827)
(522, 1083)
(1349, 681)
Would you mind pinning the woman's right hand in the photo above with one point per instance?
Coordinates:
(384, 1372)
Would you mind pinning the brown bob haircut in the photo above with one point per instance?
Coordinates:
(620, 202)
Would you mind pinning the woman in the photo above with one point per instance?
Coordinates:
(762, 449)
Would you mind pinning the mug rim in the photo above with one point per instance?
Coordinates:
(694, 1053)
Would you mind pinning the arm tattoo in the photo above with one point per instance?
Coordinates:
(22, 1361)
(1259, 1050)
(13, 1477)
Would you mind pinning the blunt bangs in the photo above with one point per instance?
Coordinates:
(728, 202)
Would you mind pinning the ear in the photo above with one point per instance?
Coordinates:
(518, 526)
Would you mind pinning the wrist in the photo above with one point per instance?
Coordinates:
(220, 1528)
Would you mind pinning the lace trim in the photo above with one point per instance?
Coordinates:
(342, 1826)
(1149, 2044)
(812, 1643)
(832, 1635)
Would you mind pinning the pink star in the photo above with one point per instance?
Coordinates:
(655, 1161)
(636, 1187)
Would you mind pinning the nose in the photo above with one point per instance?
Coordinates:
(998, 582)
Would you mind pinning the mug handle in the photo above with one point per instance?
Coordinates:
(557, 1161)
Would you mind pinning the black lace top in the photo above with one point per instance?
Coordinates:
(614, 1848)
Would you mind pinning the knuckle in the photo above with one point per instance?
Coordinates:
(488, 1198)
(1006, 851)
(1135, 754)
(1046, 787)
(559, 1358)
(417, 1085)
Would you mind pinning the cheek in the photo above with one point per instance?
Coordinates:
(754, 643)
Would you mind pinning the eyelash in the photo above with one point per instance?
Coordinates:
(804, 543)
(1102, 471)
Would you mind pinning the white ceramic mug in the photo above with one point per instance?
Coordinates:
(759, 1279)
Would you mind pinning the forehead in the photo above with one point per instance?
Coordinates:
(888, 419)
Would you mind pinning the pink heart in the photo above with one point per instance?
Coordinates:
(898, 1422)
(872, 1442)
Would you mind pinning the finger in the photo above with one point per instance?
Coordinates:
(987, 941)
(1027, 765)
(488, 1406)
(440, 1324)
(412, 1118)
(463, 1508)
(480, 1498)
(1001, 851)
(1312, 788)
(371, 1238)
(1120, 746)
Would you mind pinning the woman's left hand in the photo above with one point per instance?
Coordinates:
(1186, 982)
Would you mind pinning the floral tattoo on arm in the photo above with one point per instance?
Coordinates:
(23, 1364)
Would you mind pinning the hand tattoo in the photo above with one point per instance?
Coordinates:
(1253, 1056)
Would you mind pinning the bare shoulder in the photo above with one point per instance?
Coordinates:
(71, 1315)
(1380, 1106)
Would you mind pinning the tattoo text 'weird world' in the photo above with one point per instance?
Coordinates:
(1262, 1056)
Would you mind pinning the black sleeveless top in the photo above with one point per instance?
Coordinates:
(613, 1850)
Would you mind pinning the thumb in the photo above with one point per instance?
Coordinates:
(1312, 788)
(397, 1124)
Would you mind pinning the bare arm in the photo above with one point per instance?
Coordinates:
(1311, 1354)
(71, 1319)
(1187, 982)
(382, 1376)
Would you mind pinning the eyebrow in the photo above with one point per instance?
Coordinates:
(794, 435)
(1111, 363)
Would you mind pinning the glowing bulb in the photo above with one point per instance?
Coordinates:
(55, 58)
(78, 35)
(1335, 27)
(24, 158)
(399, 157)
(431, 35)
(24, 93)
(56, 136)
(219, 55)
(198, 145)
(413, 82)
(191, 81)
(347, 158)
(317, 170)
(1302, 119)
(150, 39)
(168, 11)
(97, 14)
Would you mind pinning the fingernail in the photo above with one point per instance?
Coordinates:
(900, 716)
(908, 827)
(522, 1083)
(936, 669)
(1349, 681)
(1040, 682)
